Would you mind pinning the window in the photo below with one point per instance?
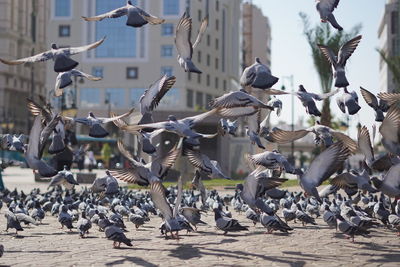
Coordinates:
(216, 44)
(123, 44)
(208, 60)
(199, 14)
(216, 24)
(217, 6)
(115, 96)
(167, 29)
(64, 31)
(189, 98)
(136, 93)
(208, 101)
(208, 40)
(89, 97)
(199, 100)
(167, 70)
(166, 50)
(97, 71)
(216, 82)
(198, 78)
(394, 21)
(171, 7)
(171, 99)
(62, 8)
(189, 75)
(216, 63)
(199, 56)
(132, 73)
(208, 80)
(224, 85)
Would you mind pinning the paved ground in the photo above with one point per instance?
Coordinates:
(47, 245)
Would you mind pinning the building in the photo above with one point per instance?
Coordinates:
(389, 39)
(131, 59)
(22, 34)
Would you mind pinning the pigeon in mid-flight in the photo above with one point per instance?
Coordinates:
(379, 107)
(64, 79)
(61, 56)
(325, 9)
(348, 101)
(258, 76)
(338, 62)
(136, 17)
(183, 42)
(308, 99)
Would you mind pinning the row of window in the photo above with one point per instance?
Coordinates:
(117, 97)
(208, 81)
(63, 8)
(131, 72)
(198, 100)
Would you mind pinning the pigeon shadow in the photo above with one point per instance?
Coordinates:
(37, 251)
(134, 260)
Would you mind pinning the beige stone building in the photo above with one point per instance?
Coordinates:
(22, 34)
(389, 39)
(131, 59)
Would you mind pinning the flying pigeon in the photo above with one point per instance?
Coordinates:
(325, 9)
(348, 101)
(379, 107)
(258, 76)
(64, 79)
(308, 99)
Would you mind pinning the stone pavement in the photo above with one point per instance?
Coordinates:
(47, 245)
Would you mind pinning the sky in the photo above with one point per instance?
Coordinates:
(291, 54)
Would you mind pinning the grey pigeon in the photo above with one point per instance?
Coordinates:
(271, 160)
(136, 219)
(258, 76)
(338, 62)
(350, 229)
(183, 42)
(192, 215)
(308, 99)
(64, 218)
(390, 131)
(379, 106)
(348, 101)
(355, 180)
(61, 56)
(64, 79)
(107, 185)
(83, 225)
(65, 178)
(228, 126)
(227, 224)
(390, 185)
(13, 142)
(203, 163)
(304, 217)
(325, 9)
(117, 235)
(272, 223)
(136, 17)
(12, 221)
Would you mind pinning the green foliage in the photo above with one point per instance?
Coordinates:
(393, 64)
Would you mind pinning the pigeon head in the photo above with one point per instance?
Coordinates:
(129, 3)
(108, 173)
(257, 59)
(91, 115)
(172, 118)
(376, 182)
(54, 46)
(302, 89)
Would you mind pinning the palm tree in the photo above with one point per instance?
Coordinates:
(324, 34)
(393, 64)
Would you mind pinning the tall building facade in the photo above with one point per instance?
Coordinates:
(389, 39)
(130, 59)
(22, 34)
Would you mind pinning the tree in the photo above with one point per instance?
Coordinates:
(323, 34)
(393, 64)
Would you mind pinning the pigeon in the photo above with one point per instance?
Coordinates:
(308, 99)
(65, 178)
(254, 138)
(379, 106)
(94, 123)
(197, 183)
(273, 224)
(350, 229)
(390, 130)
(228, 126)
(354, 180)
(203, 163)
(276, 104)
(183, 127)
(390, 185)
(38, 213)
(64, 79)
(152, 97)
(107, 185)
(192, 215)
(289, 214)
(322, 167)
(227, 224)
(348, 101)
(321, 132)
(325, 9)
(389, 98)
(136, 219)
(61, 56)
(13, 142)
(339, 62)
(258, 76)
(12, 221)
(83, 225)
(116, 234)
(270, 160)
(1, 250)
(253, 216)
(304, 217)
(329, 217)
(64, 218)
(136, 17)
(183, 42)
(35, 149)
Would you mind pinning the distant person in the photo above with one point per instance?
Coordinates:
(91, 160)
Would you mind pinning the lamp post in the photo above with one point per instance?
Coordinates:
(291, 80)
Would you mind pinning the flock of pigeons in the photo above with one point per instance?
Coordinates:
(106, 204)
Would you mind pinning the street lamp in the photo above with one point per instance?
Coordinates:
(291, 80)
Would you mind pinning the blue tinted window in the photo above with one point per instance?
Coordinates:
(171, 98)
(166, 50)
(62, 8)
(89, 97)
(116, 96)
(136, 93)
(121, 40)
(168, 70)
(167, 29)
(97, 71)
(171, 7)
